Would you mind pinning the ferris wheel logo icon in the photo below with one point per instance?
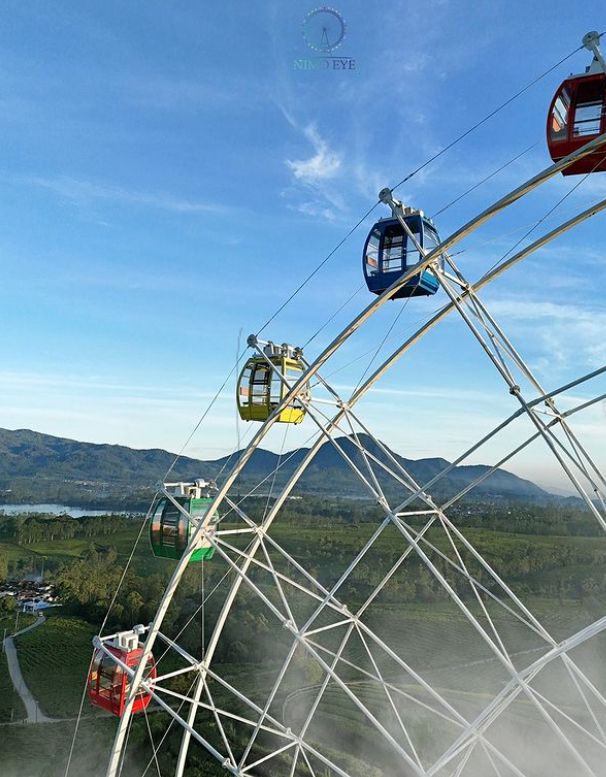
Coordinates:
(323, 29)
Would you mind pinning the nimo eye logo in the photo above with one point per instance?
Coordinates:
(323, 32)
(323, 29)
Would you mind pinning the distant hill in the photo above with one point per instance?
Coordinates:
(42, 467)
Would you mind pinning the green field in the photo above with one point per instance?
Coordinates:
(60, 550)
(54, 660)
(14, 622)
(559, 577)
(11, 707)
(42, 750)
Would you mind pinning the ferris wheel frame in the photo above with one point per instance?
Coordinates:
(459, 293)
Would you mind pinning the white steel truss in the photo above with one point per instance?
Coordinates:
(357, 664)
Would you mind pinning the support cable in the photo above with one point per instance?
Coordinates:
(105, 619)
(166, 733)
(377, 351)
(121, 765)
(78, 719)
(197, 610)
(275, 473)
(544, 218)
(165, 477)
(489, 116)
(134, 548)
(486, 178)
(238, 352)
(442, 210)
(317, 269)
(203, 416)
(128, 563)
(332, 318)
(410, 175)
(202, 610)
(153, 744)
(227, 485)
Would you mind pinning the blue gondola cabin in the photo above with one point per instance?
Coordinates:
(389, 253)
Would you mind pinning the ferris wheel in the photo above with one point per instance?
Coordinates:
(347, 687)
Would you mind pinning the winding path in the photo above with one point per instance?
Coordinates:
(34, 713)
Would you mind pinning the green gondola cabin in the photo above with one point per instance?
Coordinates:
(171, 529)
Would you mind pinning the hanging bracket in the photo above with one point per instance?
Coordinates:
(591, 41)
(397, 207)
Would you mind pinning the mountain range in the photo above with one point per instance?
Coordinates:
(36, 466)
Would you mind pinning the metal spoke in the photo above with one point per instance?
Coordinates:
(328, 624)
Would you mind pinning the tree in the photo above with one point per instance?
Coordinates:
(134, 603)
(8, 605)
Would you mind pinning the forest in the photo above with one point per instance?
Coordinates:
(525, 541)
(552, 555)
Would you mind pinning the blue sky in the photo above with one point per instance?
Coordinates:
(167, 178)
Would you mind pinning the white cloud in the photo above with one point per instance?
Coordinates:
(164, 93)
(314, 191)
(99, 409)
(369, 180)
(559, 334)
(427, 392)
(82, 191)
(323, 165)
(551, 312)
(20, 382)
(315, 209)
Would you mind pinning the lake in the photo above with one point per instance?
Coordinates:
(55, 509)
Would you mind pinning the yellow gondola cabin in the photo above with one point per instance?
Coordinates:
(264, 383)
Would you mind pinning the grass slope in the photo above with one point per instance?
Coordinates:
(11, 707)
(42, 750)
(54, 660)
(437, 640)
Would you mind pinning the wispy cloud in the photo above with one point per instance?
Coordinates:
(427, 392)
(531, 310)
(314, 190)
(322, 165)
(163, 93)
(315, 209)
(12, 380)
(559, 334)
(315, 186)
(82, 192)
(99, 409)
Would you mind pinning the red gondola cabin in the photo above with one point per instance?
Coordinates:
(577, 115)
(109, 684)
